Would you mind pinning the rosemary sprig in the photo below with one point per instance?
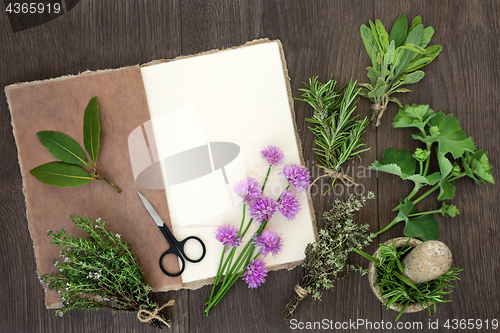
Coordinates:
(338, 133)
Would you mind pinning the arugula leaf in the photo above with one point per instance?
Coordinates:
(446, 190)
(477, 167)
(397, 162)
(446, 131)
(401, 163)
(413, 116)
(424, 227)
(450, 210)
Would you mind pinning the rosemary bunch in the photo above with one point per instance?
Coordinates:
(100, 272)
(338, 133)
(326, 260)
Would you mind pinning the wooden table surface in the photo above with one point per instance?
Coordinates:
(320, 37)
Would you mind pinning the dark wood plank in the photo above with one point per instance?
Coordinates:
(319, 38)
(93, 35)
(463, 80)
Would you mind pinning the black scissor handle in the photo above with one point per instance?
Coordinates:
(180, 246)
(172, 250)
(177, 248)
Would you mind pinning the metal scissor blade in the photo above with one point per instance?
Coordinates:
(151, 210)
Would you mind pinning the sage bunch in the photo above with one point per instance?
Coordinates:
(396, 59)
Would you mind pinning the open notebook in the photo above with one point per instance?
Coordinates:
(181, 132)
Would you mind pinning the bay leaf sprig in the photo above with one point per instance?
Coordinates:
(396, 59)
(338, 132)
(73, 169)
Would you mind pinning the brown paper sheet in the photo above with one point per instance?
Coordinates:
(59, 105)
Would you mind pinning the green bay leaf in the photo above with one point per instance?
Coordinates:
(63, 147)
(61, 174)
(91, 129)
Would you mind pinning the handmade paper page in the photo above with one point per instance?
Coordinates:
(218, 111)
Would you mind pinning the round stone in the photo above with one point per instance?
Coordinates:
(427, 262)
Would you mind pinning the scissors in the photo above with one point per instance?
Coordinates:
(176, 247)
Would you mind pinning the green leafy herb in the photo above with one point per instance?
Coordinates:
(445, 131)
(398, 290)
(326, 260)
(396, 60)
(99, 272)
(338, 133)
(69, 172)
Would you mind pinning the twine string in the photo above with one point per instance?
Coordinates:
(379, 108)
(301, 292)
(345, 179)
(146, 316)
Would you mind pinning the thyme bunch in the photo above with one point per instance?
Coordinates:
(326, 260)
(338, 133)
(99, 272)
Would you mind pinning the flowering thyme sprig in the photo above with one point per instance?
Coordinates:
(326, 260)
(98, 272)
(247, 265)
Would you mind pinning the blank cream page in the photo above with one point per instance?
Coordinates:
(211, 115)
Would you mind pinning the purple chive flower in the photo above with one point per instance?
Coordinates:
(297, 176)
(268, 242)
(273, 155)
(255, 274)
(288, 206)
(248, 189)
(227, 235)
(263, 209)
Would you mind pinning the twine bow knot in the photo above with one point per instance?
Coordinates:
(379, 108)
(301, 292)
(146, 316)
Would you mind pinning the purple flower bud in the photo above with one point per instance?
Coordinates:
(273, 155)
(255, 273)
